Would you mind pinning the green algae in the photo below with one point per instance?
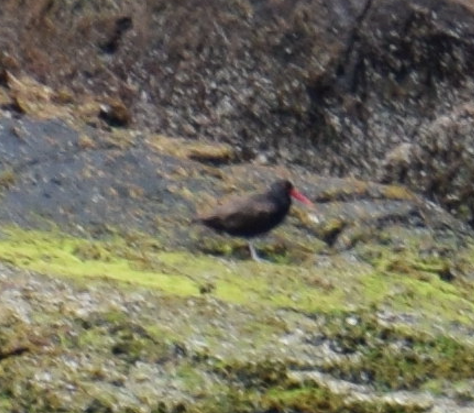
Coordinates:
(227, 357)
(292, 397)
(314, 398)
(62, 255)
(5, 403)
(412, 285)
(395, 358)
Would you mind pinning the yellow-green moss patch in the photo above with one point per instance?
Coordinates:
(341, 285)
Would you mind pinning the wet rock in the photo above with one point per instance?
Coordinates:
(340, 87)
(398, 162)
(440, 166)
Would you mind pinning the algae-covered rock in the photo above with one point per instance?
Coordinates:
(134, 330)
(113, 300)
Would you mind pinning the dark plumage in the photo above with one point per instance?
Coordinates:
(254, 214)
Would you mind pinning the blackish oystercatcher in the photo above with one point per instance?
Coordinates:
(254, 214)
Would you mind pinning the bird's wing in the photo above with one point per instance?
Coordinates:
(244, 214)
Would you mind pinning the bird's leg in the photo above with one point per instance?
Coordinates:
(253, 253)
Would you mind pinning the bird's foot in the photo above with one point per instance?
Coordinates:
(254, 255)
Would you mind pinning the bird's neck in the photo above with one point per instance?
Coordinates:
(280, 199)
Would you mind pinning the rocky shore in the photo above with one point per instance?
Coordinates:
(120, 120)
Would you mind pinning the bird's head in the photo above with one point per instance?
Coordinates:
(288, 188)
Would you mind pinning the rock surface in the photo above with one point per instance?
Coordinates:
(309, 331)
(336, 86)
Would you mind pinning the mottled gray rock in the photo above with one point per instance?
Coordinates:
(332, 85)
(441, 163)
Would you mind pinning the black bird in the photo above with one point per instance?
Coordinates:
(250, 215)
